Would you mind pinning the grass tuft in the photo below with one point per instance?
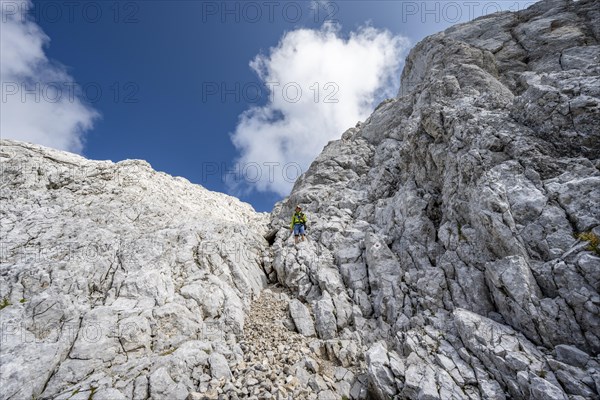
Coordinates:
(592, 239)
(5, 303)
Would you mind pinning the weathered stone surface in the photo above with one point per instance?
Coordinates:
(219, 367)
(452, 213)
(445, 258)
(111, 270)
(381, 377)
(325, 317)
(345, 352)
(571, 355)
(163, 386)
(302, 318)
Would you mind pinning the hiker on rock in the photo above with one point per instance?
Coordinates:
(298, 224)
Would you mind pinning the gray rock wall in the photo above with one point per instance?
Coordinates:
(118, 277)
(450, 250)
(450, 217)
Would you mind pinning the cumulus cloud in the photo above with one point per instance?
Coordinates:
(39, 101)
(321, 84)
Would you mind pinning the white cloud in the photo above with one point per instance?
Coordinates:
(356, 71)
(39, 103)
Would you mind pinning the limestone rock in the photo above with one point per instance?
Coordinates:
(219, 367)
(452, 255)
(302, 318)
(325, 317)
(571, 355)
(111, 269)
(380, 376)
(453, 216)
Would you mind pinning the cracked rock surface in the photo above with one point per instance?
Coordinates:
(444, 230)
(450, 251)
(117, 280)
(120, 282)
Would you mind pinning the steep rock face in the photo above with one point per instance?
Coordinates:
(443, 259)
(443, 230)
(117, 281)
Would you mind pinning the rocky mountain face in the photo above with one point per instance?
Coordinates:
(117, 281)
(452, 233)
(452, 252)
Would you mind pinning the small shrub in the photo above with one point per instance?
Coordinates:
(170, 351)
(5, 303)
(592, 239)
(461, 237)
(542, 373)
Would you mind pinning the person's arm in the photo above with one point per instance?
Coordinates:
(292, 223)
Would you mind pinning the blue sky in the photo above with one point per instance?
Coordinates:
(172, 82)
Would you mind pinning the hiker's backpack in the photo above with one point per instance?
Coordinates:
(305, 222)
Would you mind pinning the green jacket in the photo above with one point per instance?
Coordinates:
(298, 218)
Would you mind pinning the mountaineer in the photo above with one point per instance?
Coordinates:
(298, 224)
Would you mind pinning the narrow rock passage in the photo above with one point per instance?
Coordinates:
(280, 363)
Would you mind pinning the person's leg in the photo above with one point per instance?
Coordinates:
(302, 232)
(296, 233)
